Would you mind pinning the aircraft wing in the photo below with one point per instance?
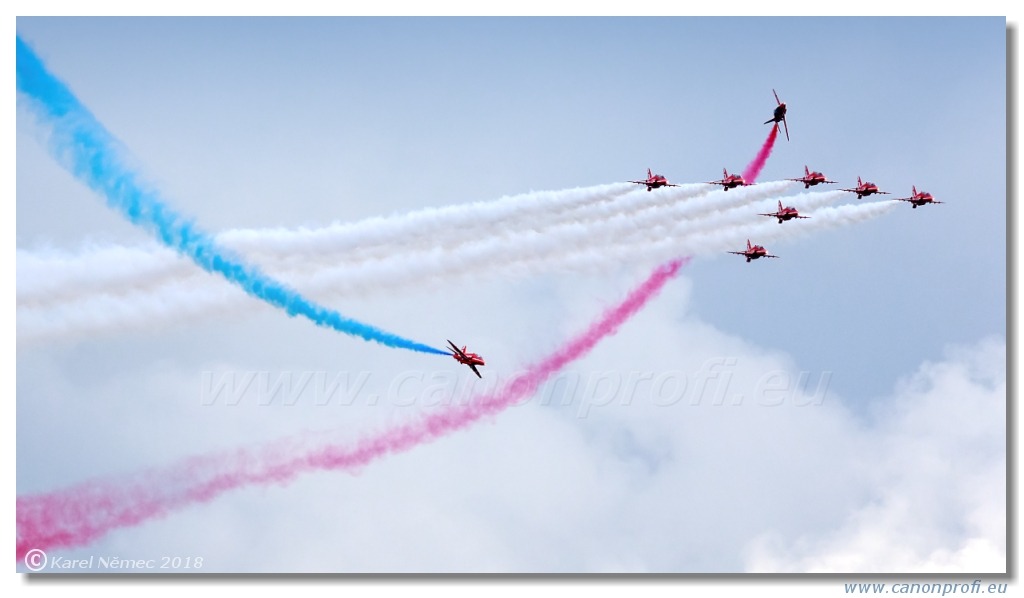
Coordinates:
(475, 371)
(882, 193)
(738, 252)
(457, 350)
(915, 204)
(769, 255)
(786, 126)
(775, 215)
(638, 182)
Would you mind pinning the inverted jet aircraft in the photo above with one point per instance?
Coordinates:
(779, 115)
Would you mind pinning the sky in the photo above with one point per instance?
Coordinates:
(856, 422)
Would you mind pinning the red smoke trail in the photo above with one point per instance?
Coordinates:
(753, 170)
(81, 514)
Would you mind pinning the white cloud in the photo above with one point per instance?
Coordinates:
(749, 465)
(932, 479)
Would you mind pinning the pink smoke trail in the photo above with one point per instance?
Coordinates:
(81, 514)
(753, 170)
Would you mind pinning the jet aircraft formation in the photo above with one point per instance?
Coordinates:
(732, 181)
(810, 179)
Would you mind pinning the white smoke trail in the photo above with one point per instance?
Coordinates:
(717, 240)
(199, 294)
(52, 276)
(455, 224)
(617, 240)
(440, 260)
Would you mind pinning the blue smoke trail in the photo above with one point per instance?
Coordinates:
(84, 147)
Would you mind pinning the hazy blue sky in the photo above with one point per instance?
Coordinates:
(254, 123)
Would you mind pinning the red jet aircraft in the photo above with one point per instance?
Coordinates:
(919, 199)
(787, 213)
(753, 252)
(470, 359)
(730, 180)
(780, 115)
(654, 181)
(865, 189)
(811, 179)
